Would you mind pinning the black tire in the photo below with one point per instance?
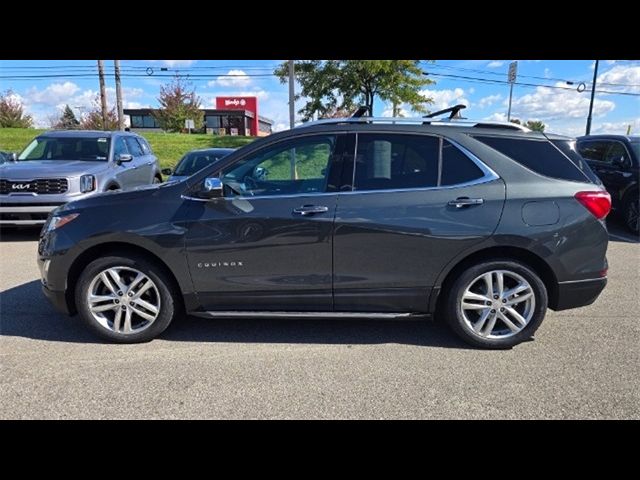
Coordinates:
(156, 180)
(452, 308)
(630, 213)
(170, 303)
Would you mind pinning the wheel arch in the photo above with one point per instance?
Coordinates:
(527, 257)
(106, 249)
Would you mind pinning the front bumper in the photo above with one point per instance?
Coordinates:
(57, 298)
(578, 293)
(25, 214)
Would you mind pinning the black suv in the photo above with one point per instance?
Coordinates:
(483, 224)
(616, 160)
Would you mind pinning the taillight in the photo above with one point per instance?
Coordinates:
(598, 203)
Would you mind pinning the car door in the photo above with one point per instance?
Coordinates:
(610, 161)
(141, 171)
(267, 244)
(124, 173)
(417, 201)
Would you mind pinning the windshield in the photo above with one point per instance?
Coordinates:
(95, 149)
(196, 161)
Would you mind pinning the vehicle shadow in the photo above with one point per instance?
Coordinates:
(618, 232)
(24, 312)
(22, 234)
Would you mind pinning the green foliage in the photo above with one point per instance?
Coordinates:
(535, 125)
(168, 147)
(67, 120)
(12, 113)
(93, 119)
(178, 102)
(338, 85)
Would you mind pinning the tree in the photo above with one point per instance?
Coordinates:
(12, 113)
(535, 125)
(178, 102)
(335, 85)
(67, 120)
(93, 119)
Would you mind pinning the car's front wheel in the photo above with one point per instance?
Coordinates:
(126, 299)
(496, 304)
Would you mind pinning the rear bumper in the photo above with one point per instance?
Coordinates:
(579, 293)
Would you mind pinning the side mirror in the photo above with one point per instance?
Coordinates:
(13, 157)
(212, 188)
(123, 158)
(167, 171)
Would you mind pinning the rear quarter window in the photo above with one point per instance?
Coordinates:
(538, 155)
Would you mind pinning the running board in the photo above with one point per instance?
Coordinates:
(345, 315)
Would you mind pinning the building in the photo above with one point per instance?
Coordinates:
(232, 116)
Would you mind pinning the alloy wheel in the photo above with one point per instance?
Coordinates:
(498, 304)
(123, 300)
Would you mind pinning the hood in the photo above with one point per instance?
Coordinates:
(28, 170)
(119, 197)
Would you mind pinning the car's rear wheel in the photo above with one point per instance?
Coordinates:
(496, 304)
(125, 299)
(631, 213)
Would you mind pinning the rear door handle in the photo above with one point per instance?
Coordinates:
(466, 202)
(310, 210)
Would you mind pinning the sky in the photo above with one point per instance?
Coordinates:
(46, 86)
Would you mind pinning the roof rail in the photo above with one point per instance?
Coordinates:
(418, 121)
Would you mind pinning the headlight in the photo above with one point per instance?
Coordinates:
(56, 222)
(87, 183)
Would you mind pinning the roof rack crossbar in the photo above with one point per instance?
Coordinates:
(454, 111)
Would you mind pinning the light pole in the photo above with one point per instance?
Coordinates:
(593, 94)
(292, 105)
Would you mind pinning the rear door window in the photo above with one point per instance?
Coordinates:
(457, 168)
(133, 146)
(537, 155)
(593, 150)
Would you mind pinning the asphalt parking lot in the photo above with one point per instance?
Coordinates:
(582, 364)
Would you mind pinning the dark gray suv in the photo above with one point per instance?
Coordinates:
(485, 225)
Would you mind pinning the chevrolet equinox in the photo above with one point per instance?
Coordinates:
(485, 225)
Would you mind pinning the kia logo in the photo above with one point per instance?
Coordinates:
(20, 186)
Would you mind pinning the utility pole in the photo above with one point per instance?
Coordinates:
(593, 94)
(103, 96)
(116, 64)
(513, 73)
(292, 105)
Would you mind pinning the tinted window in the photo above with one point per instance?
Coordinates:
(290, 167)
(569, 149)
(149, 122)
(196, 161)
(617, 153)
(67, 148)
(635, 146)
(593, 150)
(537, 155)
(457, 167)
(387, 161)
(133, 146)
(136, 121)
(120, 148)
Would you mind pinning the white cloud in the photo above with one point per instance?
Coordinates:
(404, 111)
(495, 64)
(611, 62)
(234, 78)
(552, 104)
(52, 94)
(625, 75)
(490, 100)
(278, 127)
(619, 128)
(497, 117)
(445, 98)
(547, 72)
(175, 63)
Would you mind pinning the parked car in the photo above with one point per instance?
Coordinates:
(616, 160)
(194, 161)
(483, 224)
(60, 166)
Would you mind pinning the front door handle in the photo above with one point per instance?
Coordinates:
(466, 202)
(310, 210)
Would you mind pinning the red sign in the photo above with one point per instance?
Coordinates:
(241, 103)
